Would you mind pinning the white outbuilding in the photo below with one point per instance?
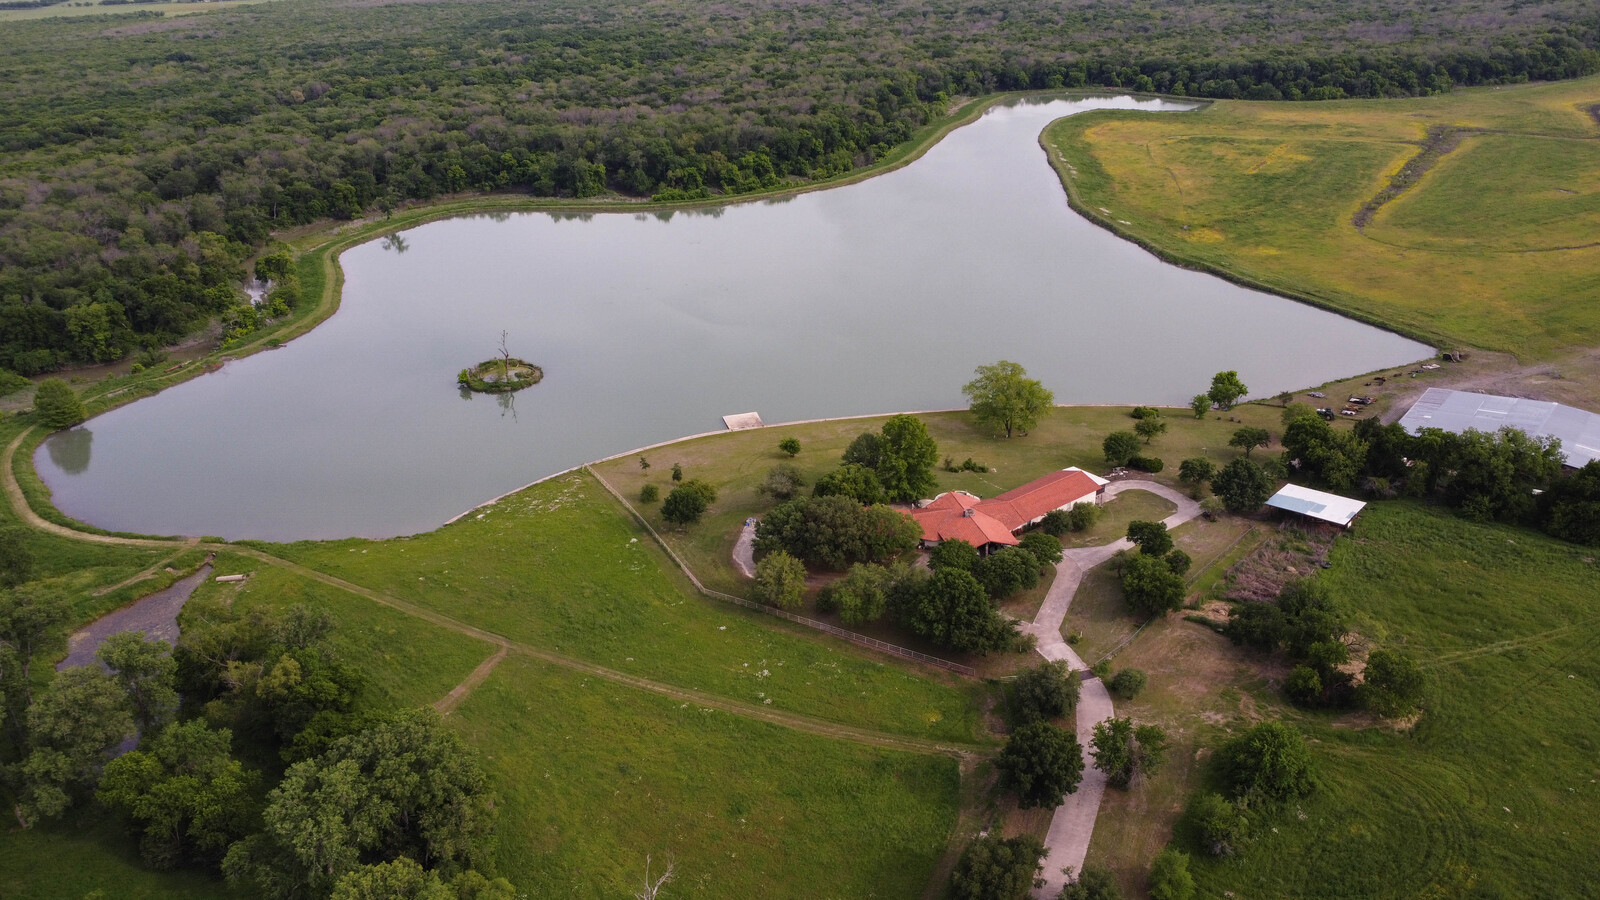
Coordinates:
(1319, 505)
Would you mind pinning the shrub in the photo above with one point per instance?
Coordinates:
(996, 868)
(1043, 547)
(1046, 691)
(789, 445)
(783, 482)
(852, 480)
(1057, 522)
(861, 596)
(1082, 516)
(649, 494)
(57, 405)
(1259, 626)
(780, 581)
(1127, 683)
(1195, 470)
(1150, 464)
(1170, 878)
(688, 502)
(1145, 412)
(1303, 686)
(1093, 883)
(1270, 762)
(1151, 537)
(11, 382)
(1219, 824)
(1393, 685)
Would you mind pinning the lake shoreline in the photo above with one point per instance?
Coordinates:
(1079, 294)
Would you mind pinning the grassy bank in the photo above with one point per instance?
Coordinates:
(1266, 193)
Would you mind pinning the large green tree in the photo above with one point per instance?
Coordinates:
(73, 726)
(29, 615)
(780, 580)
(688, 502)
(1004, 398)
(408, 787)
(1150, 586)
(57, 404)
(906, 457)
(145, 671)
(1042, 763)
(185, 793)
(1046, 691)
(951, 609)
(1226, 389)
(1242, 485)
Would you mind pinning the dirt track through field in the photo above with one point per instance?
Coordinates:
(503, 645)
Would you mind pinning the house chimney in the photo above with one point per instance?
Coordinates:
(968, 513)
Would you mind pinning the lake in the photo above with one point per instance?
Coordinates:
(874, 297)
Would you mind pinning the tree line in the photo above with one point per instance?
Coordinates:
(147, 162)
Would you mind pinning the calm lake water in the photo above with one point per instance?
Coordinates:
(876, 297)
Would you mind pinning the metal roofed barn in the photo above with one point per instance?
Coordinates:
(1457, 411)
(1319, 505)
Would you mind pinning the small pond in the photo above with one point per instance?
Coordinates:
(875, 297)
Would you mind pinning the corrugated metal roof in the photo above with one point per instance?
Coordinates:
(1316, 504)
(1456, 411)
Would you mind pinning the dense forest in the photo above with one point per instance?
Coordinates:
(145, 160)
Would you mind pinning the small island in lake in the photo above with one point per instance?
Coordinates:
(500, 375)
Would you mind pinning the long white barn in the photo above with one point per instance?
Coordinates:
(1457, 411)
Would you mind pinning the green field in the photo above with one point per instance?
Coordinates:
(1488, 248)
(596, 776)
(560, 567)
(90, 8)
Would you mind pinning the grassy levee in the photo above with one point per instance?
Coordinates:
(1487, 795)
(560, 566)
(1490, 247)
(595, 776)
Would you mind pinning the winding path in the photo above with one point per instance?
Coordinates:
(1073, 822)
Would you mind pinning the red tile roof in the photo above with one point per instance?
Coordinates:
(1019, 506)
(955, 517)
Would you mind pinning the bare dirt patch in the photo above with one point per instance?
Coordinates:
(1295, 552)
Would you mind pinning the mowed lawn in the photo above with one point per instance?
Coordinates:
(737, 462)
(1493, 247)
(594, 777)
(560, 566)
(1491, 794)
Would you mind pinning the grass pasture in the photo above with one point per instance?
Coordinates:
(1488, 248)
(595, 776)
(560, 566)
